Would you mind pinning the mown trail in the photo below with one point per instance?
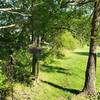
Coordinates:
(59, 80)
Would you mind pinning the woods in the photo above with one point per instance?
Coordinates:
(35, 35)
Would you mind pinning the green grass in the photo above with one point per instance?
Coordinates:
(60, 80)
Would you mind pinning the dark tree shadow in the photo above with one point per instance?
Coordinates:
(82, 53)
(86, 53)
(74, 91)
(46, 68)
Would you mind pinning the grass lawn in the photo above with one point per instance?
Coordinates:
(60, 80)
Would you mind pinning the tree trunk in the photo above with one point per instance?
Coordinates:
(35, 59)
(90, 78)
(34, 65)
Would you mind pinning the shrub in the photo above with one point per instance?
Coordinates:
(66, 40)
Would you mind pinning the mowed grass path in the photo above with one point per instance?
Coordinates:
(61, 79)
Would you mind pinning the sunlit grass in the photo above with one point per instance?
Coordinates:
(61, 79)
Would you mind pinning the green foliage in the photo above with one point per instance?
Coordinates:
(55, 48)
(22, 69)
(2, 81)
(22, 56)
(47, 55)
(3, 85)
(66, 40)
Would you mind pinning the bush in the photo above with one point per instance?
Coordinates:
(22, 66)
(63, 41)
(66, 40)
(22, 56)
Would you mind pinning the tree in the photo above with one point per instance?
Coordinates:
(90, 78)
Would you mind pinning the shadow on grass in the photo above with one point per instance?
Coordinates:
(82, 53)
(86, 53)
(46, 68)
(73, 91)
